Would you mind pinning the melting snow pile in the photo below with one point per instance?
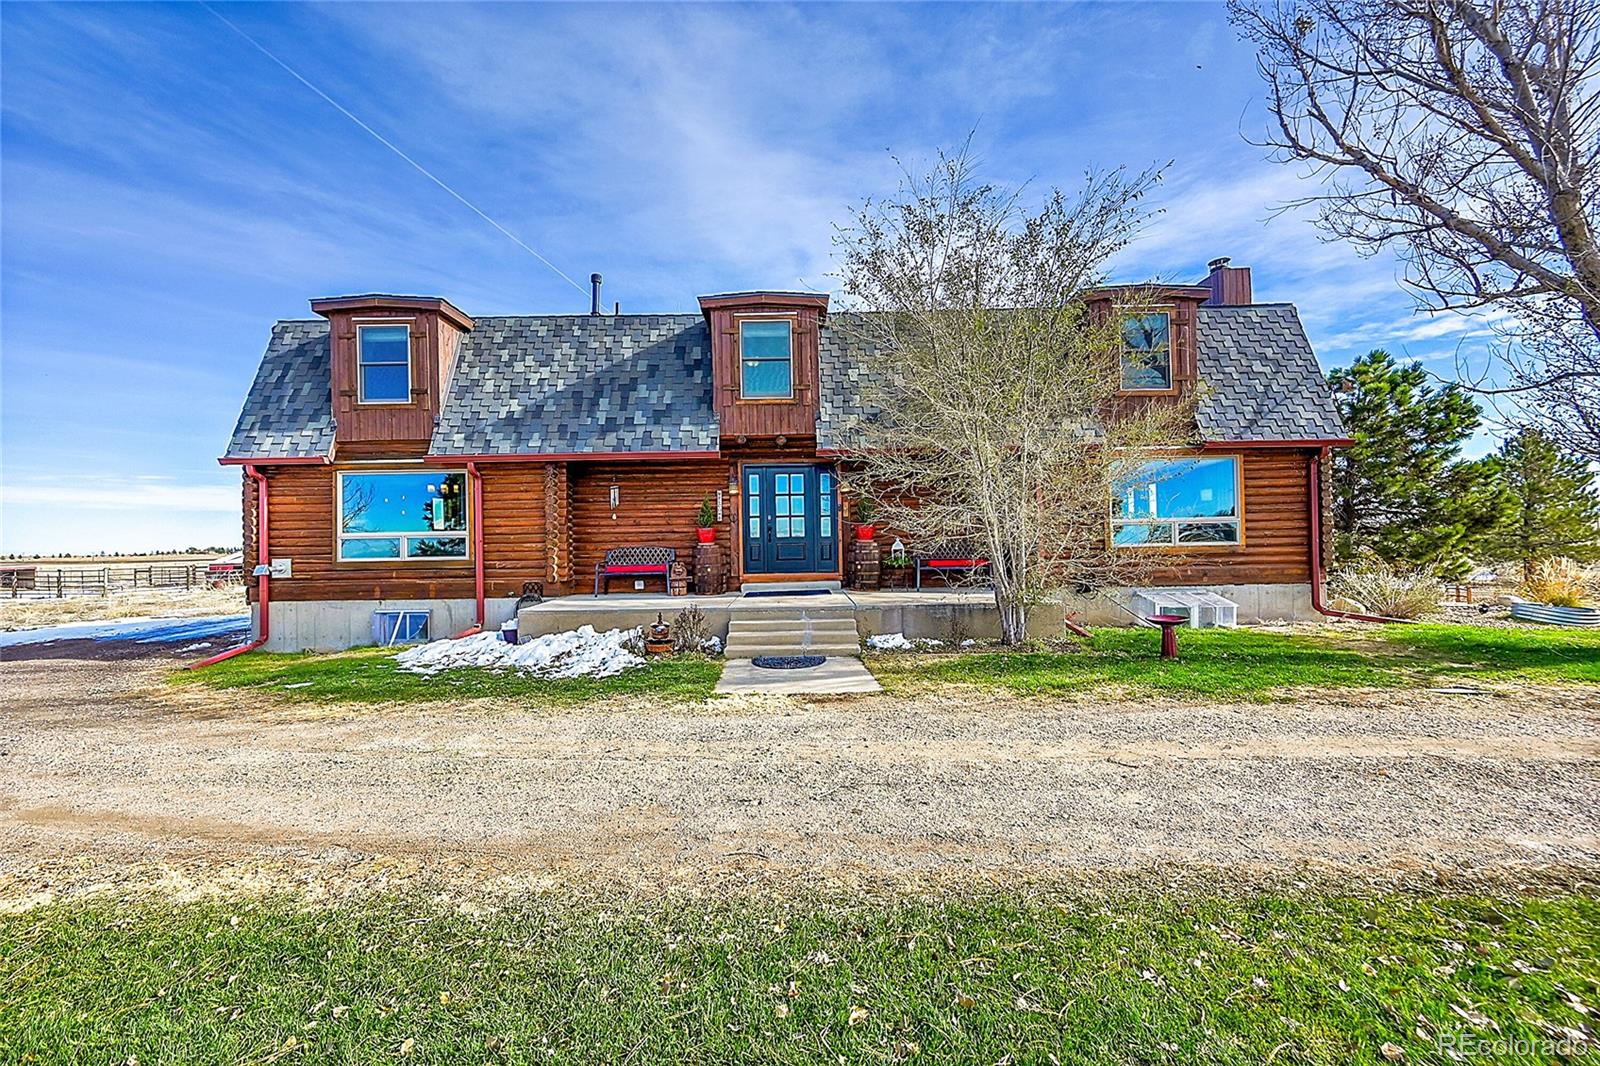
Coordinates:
(899, 642)
(578, 653)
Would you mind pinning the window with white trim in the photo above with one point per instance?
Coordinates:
(1147, 352)
(1177, 502)
(383, 363)
(402, 515)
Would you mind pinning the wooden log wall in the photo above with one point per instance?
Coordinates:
(1277, 527)
(301, 518)
(657, 505)
(552, 522)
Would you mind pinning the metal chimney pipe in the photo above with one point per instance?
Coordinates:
(594, 289)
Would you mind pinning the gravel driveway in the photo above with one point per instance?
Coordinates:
(103, 773)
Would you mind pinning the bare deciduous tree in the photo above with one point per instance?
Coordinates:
(1463, 135)
(995, 418)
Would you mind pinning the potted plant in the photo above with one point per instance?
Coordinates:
(897, 565)
(707, 520)
(866, 511)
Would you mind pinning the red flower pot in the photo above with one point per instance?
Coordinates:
(707, 536)
(866, 531)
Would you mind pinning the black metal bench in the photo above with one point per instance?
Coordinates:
(947, 558)
(635, 562)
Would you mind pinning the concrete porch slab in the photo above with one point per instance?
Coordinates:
(836, 676)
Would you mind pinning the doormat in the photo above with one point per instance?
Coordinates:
(786, 662)
(792, 592)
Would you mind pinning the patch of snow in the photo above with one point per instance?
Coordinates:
(577, 653)
(139, 630)
(899, 642)
(194, 647)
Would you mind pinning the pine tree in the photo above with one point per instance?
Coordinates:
(1557, 510)
(1401, 491)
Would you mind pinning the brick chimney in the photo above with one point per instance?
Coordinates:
(1229, 285)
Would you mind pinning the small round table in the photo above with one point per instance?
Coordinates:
(1169, 624)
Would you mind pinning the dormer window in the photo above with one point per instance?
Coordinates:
(766, 359)
(1147, 352)
(383, 357)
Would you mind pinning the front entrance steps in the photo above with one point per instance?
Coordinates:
(790, 586)
(792, 631)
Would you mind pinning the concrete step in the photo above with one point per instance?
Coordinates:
(795, 640)
(789, 586)
(774, 624)
(751, 649)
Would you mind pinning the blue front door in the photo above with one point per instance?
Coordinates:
(790, 520)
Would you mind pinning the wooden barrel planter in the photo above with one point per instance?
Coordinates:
(1528, 611)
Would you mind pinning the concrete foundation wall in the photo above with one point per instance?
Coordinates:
(333, 625)
(330, 625)
(1258, 604)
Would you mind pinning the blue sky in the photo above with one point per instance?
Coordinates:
(166, 191)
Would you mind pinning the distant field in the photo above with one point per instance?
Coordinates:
(75, 561)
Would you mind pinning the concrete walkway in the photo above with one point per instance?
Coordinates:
(836, 676)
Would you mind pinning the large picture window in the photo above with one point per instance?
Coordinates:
(766, 360)
(1147, 352)
(1177, 502)
(402, 515)
(383, 355)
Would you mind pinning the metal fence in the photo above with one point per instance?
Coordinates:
(104, 580)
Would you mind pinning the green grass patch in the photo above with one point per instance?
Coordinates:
(1246, 979)
(1252, 663)
(370, 675)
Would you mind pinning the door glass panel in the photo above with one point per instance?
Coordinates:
(799, 505)
(781, 504)
(755, 486)
(755, 528)
(797, 527)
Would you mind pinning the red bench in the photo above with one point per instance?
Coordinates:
(635, 562)
(946, 558)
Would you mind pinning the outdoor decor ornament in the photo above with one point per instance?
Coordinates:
(658, 637)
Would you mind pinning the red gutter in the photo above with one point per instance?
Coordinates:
(475, 479)
(263, 558)
(1316, 550)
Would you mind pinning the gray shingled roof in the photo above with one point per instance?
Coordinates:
(289, 411)
(574, 384)
(1265, 382)
(558, 384)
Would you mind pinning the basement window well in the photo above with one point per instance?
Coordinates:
(402, 516)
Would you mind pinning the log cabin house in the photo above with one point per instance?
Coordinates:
(400, 454)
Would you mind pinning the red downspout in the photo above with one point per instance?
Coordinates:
(263, 558)
(475, 479)
(1316, 549)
